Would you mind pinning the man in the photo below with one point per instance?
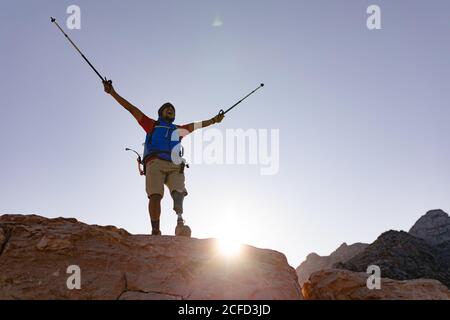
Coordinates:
(161, 159)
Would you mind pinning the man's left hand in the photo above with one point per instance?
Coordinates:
(218, 118)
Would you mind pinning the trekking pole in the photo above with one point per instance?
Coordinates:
(139, 161)
(234, 105)
(53, 20)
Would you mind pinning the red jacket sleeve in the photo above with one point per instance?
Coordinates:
(184, 130)
(147, 123)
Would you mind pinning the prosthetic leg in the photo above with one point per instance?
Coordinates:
(181, 229)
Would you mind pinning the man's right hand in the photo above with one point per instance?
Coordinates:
(107, 85)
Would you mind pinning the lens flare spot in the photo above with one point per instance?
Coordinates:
(228, 247)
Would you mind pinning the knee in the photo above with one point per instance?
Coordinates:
(155, 197)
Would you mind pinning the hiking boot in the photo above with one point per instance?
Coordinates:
(182, 230)
(156, 232)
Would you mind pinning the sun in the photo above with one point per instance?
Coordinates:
(229, 235)
(228, 247)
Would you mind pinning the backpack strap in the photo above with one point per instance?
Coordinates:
(151, 133)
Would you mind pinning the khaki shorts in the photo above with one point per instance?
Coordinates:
(159, 173)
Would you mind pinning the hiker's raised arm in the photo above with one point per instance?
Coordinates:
(123, 102)
(205, 123)
(216, 119)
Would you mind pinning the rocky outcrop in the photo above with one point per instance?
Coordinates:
(402, 256)
(36, 253)
(314, 262)
(433, 227)
(414, 265)
(333, 284)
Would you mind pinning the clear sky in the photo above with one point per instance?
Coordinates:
(363, 115)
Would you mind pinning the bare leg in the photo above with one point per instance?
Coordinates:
(154, 209)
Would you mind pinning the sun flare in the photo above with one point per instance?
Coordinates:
(229, 247)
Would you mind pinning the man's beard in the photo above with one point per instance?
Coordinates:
(170, 120)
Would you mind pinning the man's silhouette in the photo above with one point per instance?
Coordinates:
(161, 158)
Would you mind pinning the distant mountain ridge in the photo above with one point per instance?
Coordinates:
(314, 262)
(421, 253)
(433, 227)
(402, 256)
